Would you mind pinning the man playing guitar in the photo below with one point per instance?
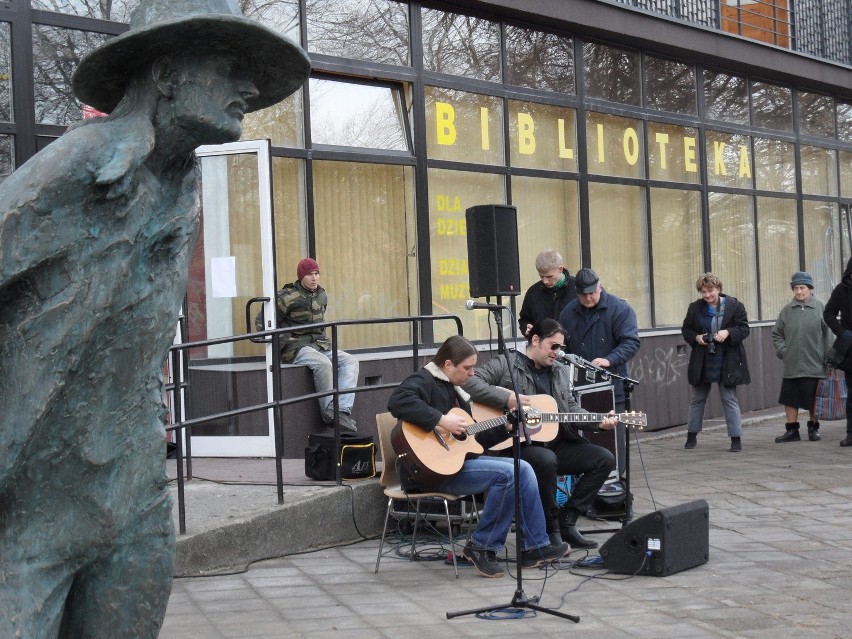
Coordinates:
(428, 403)
(538, 372)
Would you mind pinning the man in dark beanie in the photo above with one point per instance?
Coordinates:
(304, 302)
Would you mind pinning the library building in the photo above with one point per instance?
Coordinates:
(649, 140)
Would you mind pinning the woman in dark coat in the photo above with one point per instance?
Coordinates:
(838, 316)
(715, 327)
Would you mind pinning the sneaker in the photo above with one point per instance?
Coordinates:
(347, 423)
(485, 561)
(536, 557)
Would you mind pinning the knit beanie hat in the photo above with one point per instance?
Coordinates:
(800, 277)
(306, 266)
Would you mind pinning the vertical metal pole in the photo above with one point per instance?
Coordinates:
(177, 385)
(277, 421)
(335, 382)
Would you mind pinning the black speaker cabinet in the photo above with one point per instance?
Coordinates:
(673, 539)
(492, 250)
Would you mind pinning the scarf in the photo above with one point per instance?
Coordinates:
(437, 373)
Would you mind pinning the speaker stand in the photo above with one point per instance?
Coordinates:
(519, 599)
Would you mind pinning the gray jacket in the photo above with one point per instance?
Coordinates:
(489, 383)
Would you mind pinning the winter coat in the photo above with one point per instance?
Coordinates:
(734, 363)
(541, 302)
(422, 399)
(296, 306)
(840, 303)
(490, 382)
(801, 339)
(608, 330)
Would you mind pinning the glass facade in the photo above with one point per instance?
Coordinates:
(648, 168)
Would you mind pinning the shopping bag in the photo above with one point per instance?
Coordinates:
(830, 399)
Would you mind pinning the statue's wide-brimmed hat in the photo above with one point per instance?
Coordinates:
(277, 66)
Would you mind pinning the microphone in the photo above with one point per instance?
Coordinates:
(472, 306)
(579, 361)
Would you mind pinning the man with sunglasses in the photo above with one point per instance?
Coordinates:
(538, 372)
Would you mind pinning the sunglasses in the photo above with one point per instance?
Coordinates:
(557, 347)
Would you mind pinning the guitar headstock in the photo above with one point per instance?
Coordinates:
(633, 418)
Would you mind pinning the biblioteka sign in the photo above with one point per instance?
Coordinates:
(728, 159)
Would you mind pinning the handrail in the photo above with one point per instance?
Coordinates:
(178, 359)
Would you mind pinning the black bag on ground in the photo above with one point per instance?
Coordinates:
(610, 502)
(357, 457)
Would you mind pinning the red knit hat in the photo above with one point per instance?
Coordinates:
(306, 266)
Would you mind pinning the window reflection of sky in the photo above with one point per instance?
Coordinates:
(356, 115)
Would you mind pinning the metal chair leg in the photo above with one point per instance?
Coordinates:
(452, 539)
(384, 532)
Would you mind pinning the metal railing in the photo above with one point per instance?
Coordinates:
(179, 387)
(821, 28)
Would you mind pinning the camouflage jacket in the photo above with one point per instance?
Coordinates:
(296, 306)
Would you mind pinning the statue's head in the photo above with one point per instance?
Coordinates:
(193, 31)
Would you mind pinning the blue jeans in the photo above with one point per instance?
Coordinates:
(495, 476)
(320, 364)
(733, 417)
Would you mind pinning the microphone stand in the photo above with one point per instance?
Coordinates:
(519, 599)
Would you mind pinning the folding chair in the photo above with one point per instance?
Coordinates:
(393, 490)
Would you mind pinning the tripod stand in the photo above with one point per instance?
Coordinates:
(519, 599)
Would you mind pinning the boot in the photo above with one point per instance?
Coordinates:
(846, 442)
(791, 434)
(568, 528)
(691, 440)
(813, 431)
(736, 444)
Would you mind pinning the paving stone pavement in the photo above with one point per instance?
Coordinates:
(780, 564)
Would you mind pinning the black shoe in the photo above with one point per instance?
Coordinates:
(572, 536)
(736, 444)
(555, 538)
(485, 561)
(691, 440)
(791, 434)
(846, 442)
(813, 432)
(539, 556)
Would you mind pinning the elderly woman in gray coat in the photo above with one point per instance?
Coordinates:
(801, 339)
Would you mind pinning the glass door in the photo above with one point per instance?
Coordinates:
(232, 265)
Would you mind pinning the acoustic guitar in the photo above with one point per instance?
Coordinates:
(431, 459)
(546, 412)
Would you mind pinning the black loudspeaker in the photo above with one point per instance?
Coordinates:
(492, 250)
(661, 543)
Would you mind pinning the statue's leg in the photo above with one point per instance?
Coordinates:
(126, 592)
(32, 595)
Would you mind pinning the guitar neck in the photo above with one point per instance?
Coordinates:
(478, 427)
(585, 418)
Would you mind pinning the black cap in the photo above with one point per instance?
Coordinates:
(586, 281)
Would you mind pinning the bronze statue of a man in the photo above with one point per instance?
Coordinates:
(96, 233)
